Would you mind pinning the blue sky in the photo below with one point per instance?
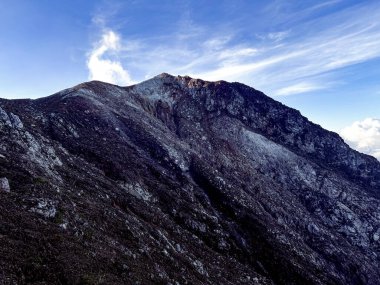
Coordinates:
(321, 57)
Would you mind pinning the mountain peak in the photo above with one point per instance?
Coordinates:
(186, 79)
(180, 180)
(164, 75)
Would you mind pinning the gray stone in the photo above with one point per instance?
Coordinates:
(4, 118)
(16, 122)
(4, 185)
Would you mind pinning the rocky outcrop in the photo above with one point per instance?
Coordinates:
(181, 181)
(4, 185)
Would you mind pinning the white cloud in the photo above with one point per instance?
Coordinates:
(216, 43)
(237, 53)
(278, 36)
(364, 136)
(302, 87)
(106, 69)
(274, 36)
(274, 68)
(322, 5)
(277, 64)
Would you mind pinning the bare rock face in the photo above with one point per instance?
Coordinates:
(181, 181)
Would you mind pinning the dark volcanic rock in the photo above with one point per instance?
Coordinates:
(180, 181)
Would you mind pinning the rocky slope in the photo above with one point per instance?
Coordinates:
(181, 181)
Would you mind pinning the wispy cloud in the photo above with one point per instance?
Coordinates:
(278, 36)
(364, 136)
(101, 67)
(275, 36)
(321, 5)
(298, 88)
(280, 63)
